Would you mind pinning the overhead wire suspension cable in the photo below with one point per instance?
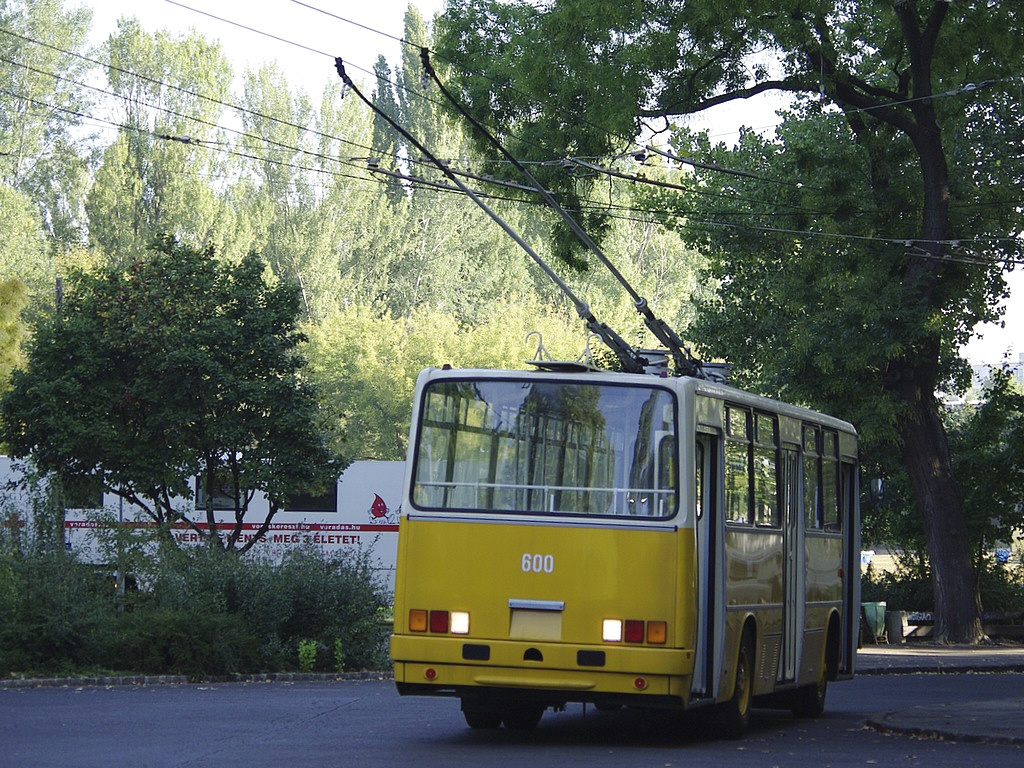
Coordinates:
(630, 359)
(685, 363)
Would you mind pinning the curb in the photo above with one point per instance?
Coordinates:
(116, 680)
(986, 724)
(942, 669)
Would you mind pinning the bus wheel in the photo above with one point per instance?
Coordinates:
(809, 701)
(522, 717)
(735, 713)
(480, 717)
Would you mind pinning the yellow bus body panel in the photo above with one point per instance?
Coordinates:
(537, 596)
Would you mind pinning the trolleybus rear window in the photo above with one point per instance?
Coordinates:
(549, 447)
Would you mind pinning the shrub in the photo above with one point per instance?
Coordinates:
(184, 642)
(909, 587)
(194, 612)
(1001, 586)
(54, 612)
(307, 654)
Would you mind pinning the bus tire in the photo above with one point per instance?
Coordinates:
(735, 713)
(480, 718)
(809, 701)
(522, 717)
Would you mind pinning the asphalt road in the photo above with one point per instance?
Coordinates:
(366, 724)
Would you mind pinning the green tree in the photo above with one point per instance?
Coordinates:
(366, 362)
(905, 134)
(422, 246)
(987, 443)
(41, 103)
(157, 177)
(13, 298)
(23, 247)
(385, 138)
(290, 174)
(177, 366)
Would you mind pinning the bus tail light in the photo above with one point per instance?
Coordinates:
(439, 622)
(634, 631)
(657, 632)
(460, 623)
(417, 620)
(611, 630)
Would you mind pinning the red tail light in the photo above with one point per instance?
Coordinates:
(634, 631)
(439, 621)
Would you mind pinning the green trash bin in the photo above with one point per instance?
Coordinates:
(874, 620)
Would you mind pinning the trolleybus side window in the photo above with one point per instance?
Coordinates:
(698, 459)
(766, 469)
(737, 465)
(547, 447)
(847, 492)
(830, 520)
(751, 468)
(821, 479)
(812, 479)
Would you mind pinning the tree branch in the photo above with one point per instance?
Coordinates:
(794, 85)
(264, 527)
(133, 498)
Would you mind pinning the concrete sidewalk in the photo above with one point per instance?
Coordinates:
(999, 722)
(914, 658)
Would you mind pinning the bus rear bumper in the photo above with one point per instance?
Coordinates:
(550, 672)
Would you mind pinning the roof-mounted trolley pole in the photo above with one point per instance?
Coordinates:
(632, 361)
(685, 363)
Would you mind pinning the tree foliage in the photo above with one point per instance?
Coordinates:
(40, 100)
(391, 274)
(177, 366)
(12, 330)
(855, 252)
(152, 179)
(366, 362)
(23, 249)
(987, 442)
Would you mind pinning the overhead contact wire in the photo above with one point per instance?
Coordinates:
(630, 360)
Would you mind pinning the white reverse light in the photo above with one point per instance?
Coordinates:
(460, 623)
(611, 630)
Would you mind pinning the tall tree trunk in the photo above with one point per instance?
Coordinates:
(924, 443)
(925, 453)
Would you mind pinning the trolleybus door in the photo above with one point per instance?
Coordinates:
(793, 547)
(710, 558)
(849, 492)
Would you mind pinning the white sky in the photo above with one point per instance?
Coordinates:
(359, 47)
(997, 345)
(295, 22)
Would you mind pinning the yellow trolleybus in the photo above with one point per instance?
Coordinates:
(623, 539)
